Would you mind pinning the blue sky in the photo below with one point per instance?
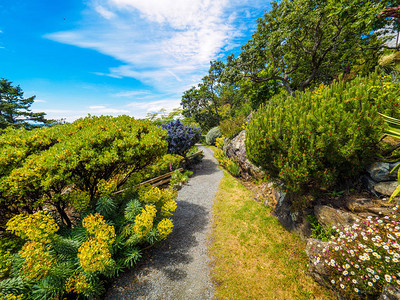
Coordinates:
(117, 57)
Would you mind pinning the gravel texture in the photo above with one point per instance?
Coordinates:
(180, 267)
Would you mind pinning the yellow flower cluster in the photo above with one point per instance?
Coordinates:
(37, 262)
(154, 195)
(165, 227)
(168, 208)
(11, 297)
(39, 227)
(151, 195)
(96, 226)
(94, 254)
(77, 283)
(144, 221)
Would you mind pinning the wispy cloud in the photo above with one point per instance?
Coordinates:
(134, 93)
(167, 45)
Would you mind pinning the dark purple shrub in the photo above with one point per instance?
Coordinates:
(180, 137)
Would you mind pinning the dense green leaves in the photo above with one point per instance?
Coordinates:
(75, 163)
(300, 43)
(320, 137)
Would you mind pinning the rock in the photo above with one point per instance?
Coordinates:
(236, 150)
(386, 188)
(390, 293)
(369, 184)
(316, 268)
(328, 216)
(380, 171)
(282, 210)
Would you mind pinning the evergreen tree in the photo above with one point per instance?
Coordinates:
(15, 109)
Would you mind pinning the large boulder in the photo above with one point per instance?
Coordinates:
(328, 216)
(386, 187)
(381, 171)
(236, 151)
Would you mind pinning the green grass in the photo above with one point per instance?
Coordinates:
(254, 257)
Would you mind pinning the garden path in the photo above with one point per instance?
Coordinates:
(180, 267)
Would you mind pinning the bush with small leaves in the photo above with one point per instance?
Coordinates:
(212, 135)
(319, 137)
(75, 163)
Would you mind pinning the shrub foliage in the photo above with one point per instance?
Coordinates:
(180, 137)
(74, 163)
(54, 263)
(212, 135)
(320, 136)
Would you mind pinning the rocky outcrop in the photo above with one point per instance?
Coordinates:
(316, 268)
(381, 179)
(236, 151)
(328, 216)
(390, 293)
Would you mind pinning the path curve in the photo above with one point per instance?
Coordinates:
(180, 267)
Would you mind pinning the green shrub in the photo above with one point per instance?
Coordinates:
(177, 177)
(163, 165)
(75, 163)
(364, 257)
(230, 165)
(316, 138)
(212, 135)
(58, 263)
(232, 126)
(318, 231)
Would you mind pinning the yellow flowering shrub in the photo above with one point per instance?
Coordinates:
(168, 208)
(94, 255)
(11, 297)
(164, 228)
(39, 227)
(154, 195)
(38, 260)
(96, 226)
(5, 263)
(77, 283)
(151, 195)
(107, 187)
(144, 221)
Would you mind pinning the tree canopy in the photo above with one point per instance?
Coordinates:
(297, 45)
(15, 109)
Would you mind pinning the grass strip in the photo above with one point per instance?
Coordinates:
(253, 256)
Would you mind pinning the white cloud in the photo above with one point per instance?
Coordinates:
(166, 44)
(104, 12)
(155, 106)
(134, 93)
(40, 101)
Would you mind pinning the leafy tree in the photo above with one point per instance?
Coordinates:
(74, 163)
(15, 109)
(299, 43)
(203, 103)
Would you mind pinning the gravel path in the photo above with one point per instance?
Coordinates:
(180, 267)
